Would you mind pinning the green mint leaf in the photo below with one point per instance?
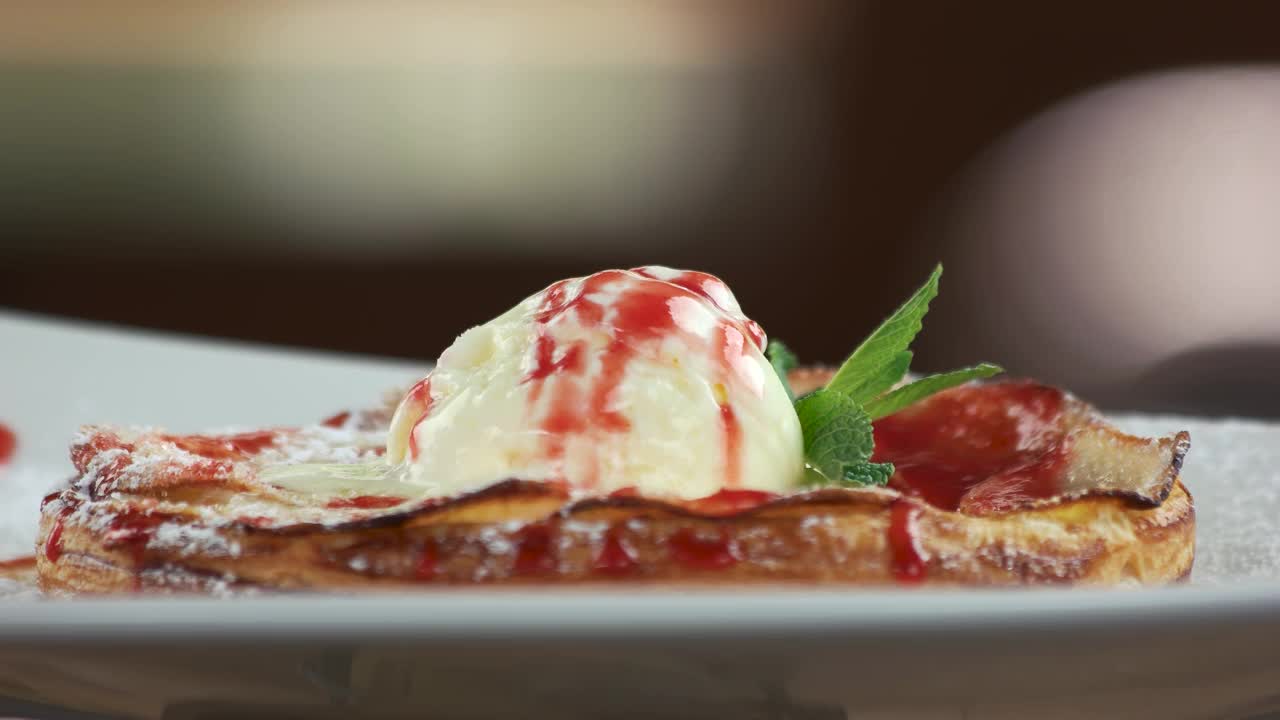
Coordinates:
(868, 473)
(836, 421)
(887, 377)
(837, 433)
(838, 439)
(783, 362)
(869, 371)
(896, 400)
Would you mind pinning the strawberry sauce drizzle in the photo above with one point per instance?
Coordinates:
(978, 449)
(428, 564)
(104, 458)
(730, 501)
(641, 310)
(904, 545)
(132, 531)
(731, 432)
(419, 394)
(701, 552)
(53, 543)
(545, 363)
(365, 502)
(225, 447)
(615, 557)
(44, 502)
(534, 552)
(83, 453)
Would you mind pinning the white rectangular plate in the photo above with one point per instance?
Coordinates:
(792, 653)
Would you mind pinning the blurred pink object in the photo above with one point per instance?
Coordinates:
(1128, 226)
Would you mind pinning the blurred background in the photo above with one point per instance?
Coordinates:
(1101, 179)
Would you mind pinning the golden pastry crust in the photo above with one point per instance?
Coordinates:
(827, 537)
(1123, 518)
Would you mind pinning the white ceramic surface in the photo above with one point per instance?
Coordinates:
(56, 376)
(1208, 650)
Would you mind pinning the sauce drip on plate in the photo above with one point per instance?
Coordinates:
(8, 443)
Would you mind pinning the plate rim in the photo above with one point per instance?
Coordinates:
(541, 613)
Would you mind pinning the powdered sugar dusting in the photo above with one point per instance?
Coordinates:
(143, 459)
(24, 486)
(1232, 470)
(1233, 473)
(187, 539)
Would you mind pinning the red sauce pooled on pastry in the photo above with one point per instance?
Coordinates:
(977, 449)
(730, 501)
(700, 552)
(614, 558)
(365, 502)
(534, 551)
(225, 447)
(428, 562)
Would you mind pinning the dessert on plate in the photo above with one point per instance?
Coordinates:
(636, 427)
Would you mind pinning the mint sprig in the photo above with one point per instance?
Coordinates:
(911, 393)
(836, 420)
(883, 358)
(838, 439)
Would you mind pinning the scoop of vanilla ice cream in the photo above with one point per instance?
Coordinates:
(650, 379)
